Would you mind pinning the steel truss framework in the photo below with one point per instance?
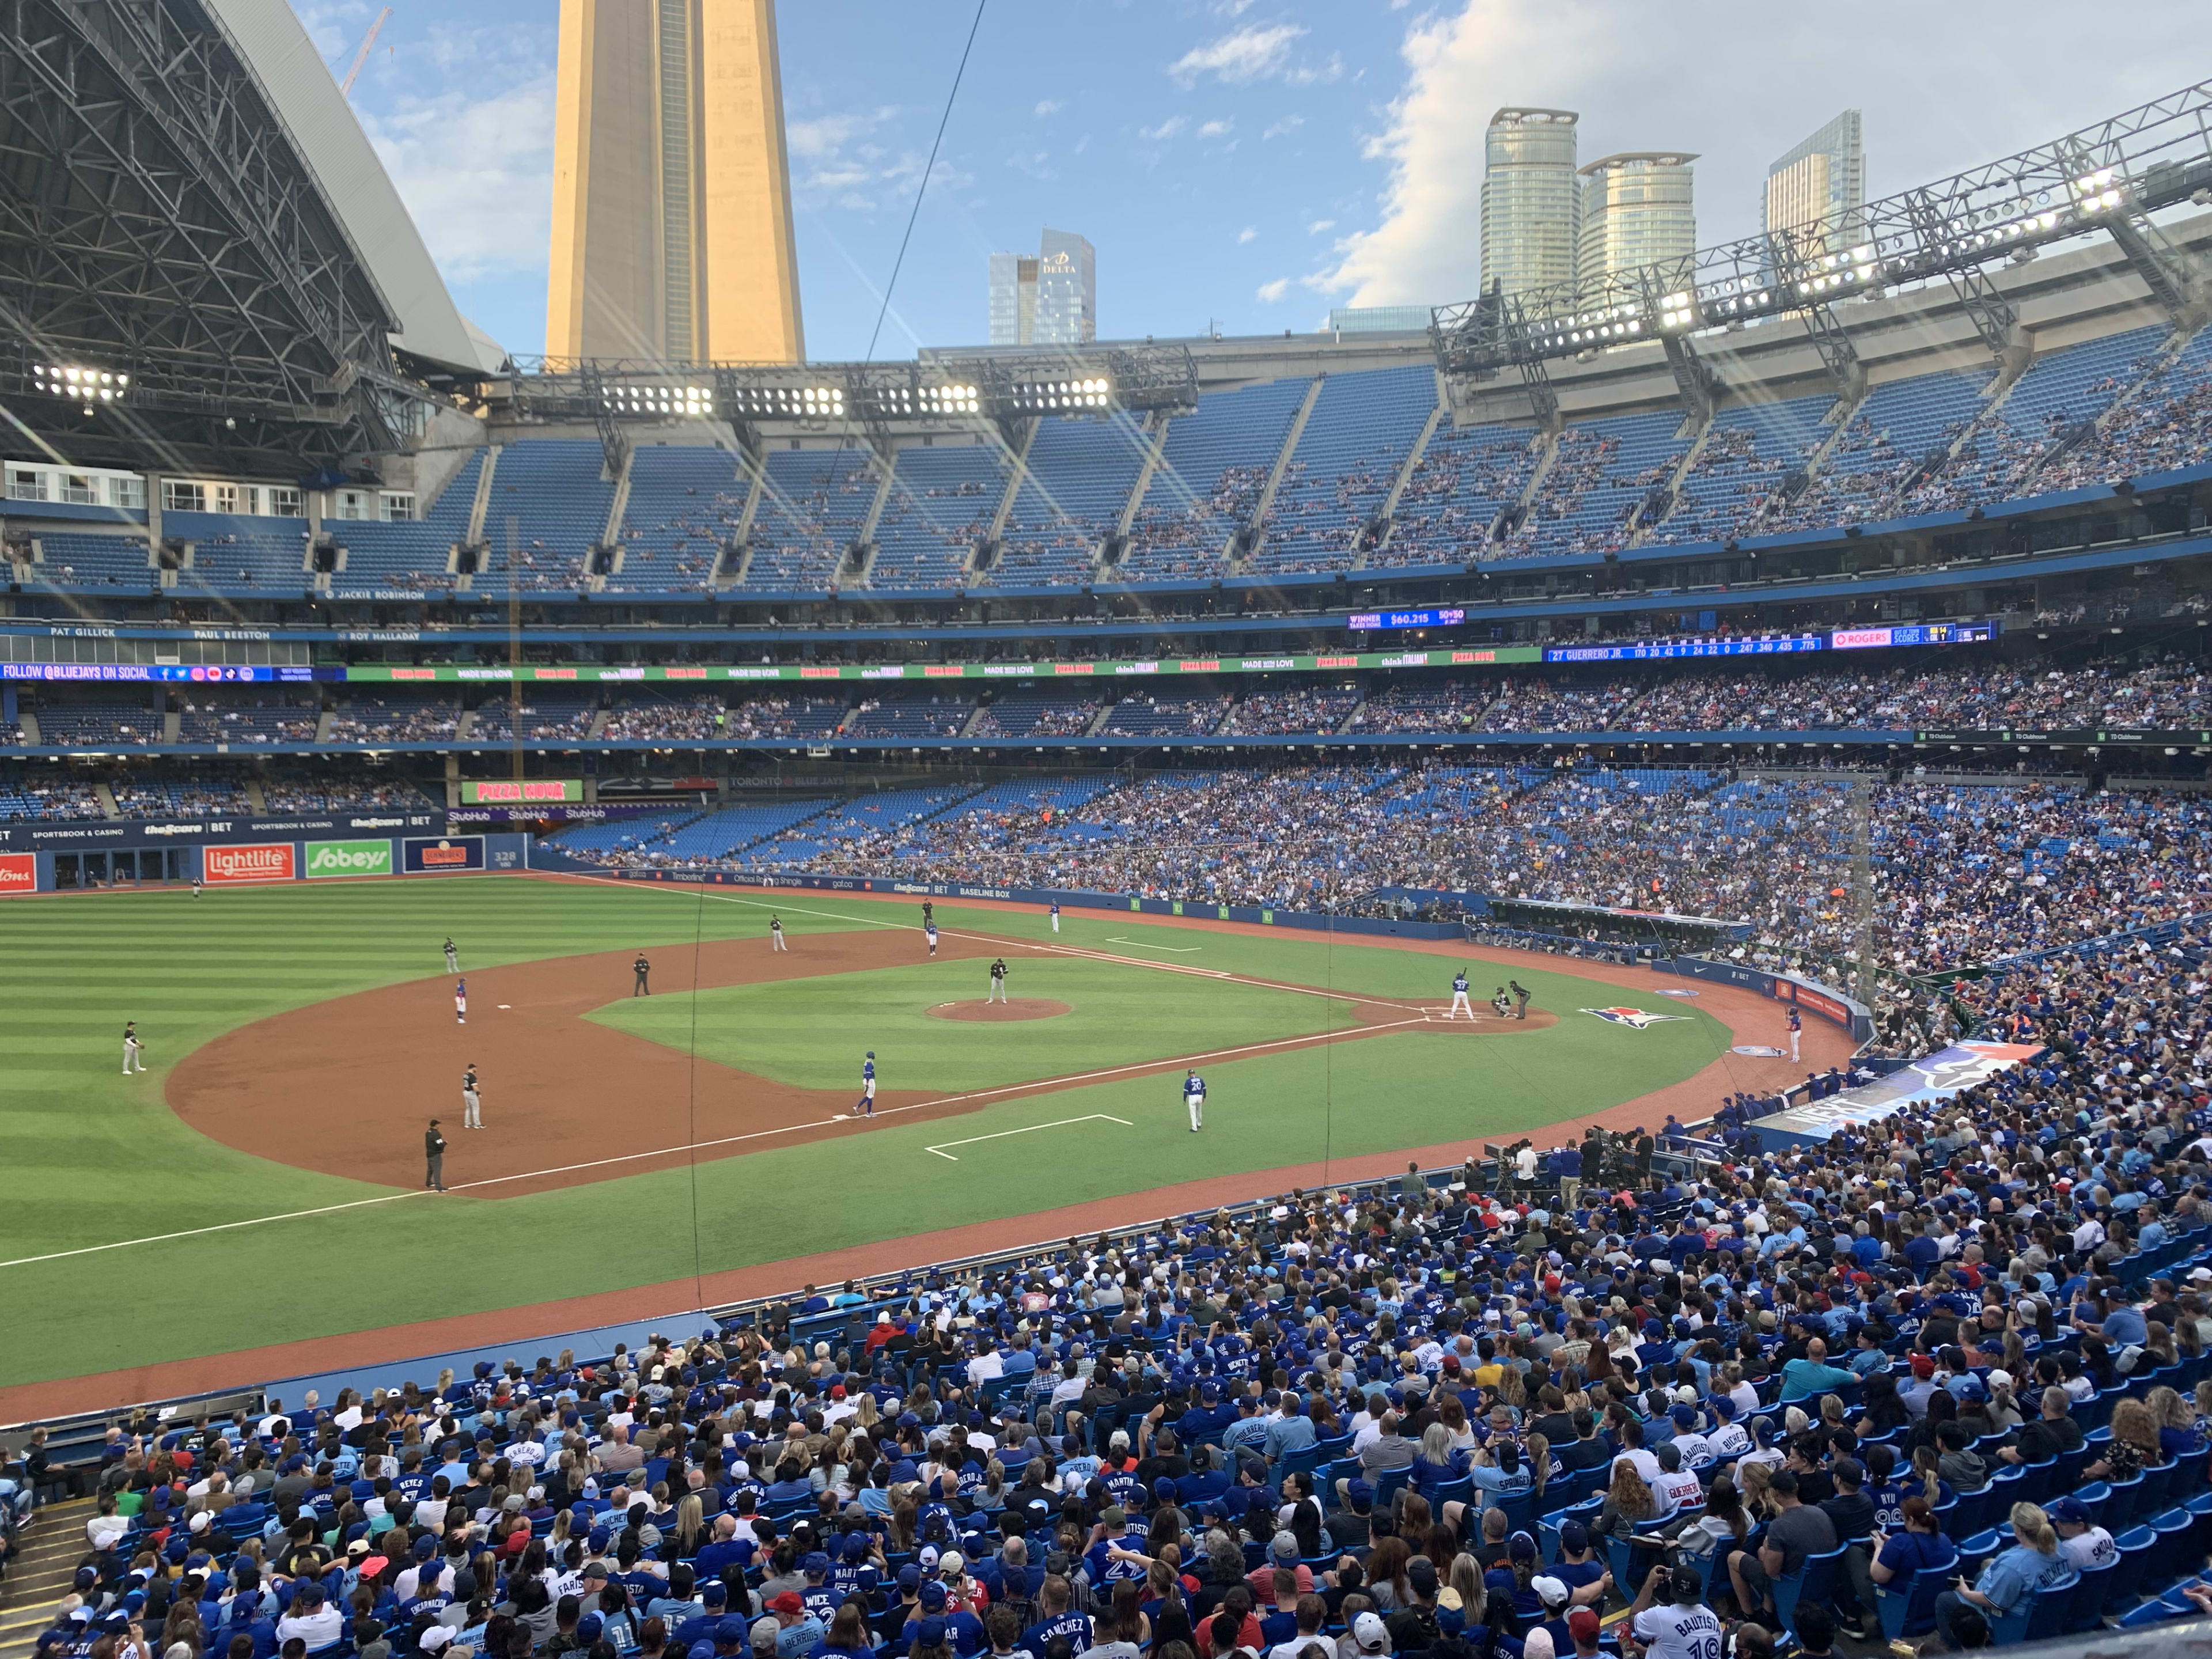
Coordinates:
(154, 218)
(2104, 178)
(877, 398)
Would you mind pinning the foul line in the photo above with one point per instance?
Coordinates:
(1036, 1087)
(1139, 944)
(1057, 1123)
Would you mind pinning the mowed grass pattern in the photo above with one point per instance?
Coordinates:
(814, 1033)
(94, 1158)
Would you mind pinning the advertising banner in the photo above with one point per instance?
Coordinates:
(349, 858)
(513, 792)
(252, 861)
(420, 856)
(19, 873)
(1934, 1077)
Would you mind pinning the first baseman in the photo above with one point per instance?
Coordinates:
(1459, 996)
(471, 1104)
(461, 1001)
(865, 1106)
(998, 981)
(1194, 1097)
(132, 1061)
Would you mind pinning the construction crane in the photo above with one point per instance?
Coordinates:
(345, 87)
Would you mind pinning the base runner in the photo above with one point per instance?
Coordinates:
(1796, 1026)
(471, 1103)
(1055, 915)
(461, 1001)
(1459, 997)
(865, 1106)
(929, 932)
(1194, 1097)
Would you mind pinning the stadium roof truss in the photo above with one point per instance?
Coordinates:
(2106, 178)
(880, 398)
(156, 220)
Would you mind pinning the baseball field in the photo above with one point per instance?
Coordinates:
(260, 1186)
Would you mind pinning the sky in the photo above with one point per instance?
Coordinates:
(1239, 165)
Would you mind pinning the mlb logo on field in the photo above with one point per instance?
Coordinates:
(1635, 1019)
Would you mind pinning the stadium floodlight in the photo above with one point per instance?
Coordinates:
(651, 400)
(1678, 310)
(952, 400)
(86, 387)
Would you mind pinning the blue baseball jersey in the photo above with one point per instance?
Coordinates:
(867, 1071)
(1194, 1085)
(1459, 981)
(1796, 1020)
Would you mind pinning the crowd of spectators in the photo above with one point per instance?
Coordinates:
(375, 719)
(693, 718)
(1325, 1425)
(1960, 873)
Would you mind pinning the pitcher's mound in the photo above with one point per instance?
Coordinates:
(1019, 1008)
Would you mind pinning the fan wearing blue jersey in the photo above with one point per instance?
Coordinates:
(1459, 997)
(865, 1106)
(1194, 1097)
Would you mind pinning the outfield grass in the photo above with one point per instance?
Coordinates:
(812, 1032)
(95, 1159)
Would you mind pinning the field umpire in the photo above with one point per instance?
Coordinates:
(434, 1152)
(642, 968)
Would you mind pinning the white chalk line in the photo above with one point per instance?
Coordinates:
(1038, 1085)
(1030, 1128)
(1140, 944)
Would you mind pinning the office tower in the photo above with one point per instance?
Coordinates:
(1636, 210)
(1050, 300)
(1013, 299)
(1820, 186)
(671, 188)
(1529, 200)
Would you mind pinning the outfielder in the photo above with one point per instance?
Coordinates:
(865, 1106)
(461, 1001)
(998, 981)
(471, 1105)
(452, 956)
(1459, 996)
(196, 885)
(1055, 915)
(929, 932)
(776, 935)
(1194, 1097)
(1797, 1024)
(133, 1061)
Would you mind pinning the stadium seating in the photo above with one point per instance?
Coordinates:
(1214, 466)
(1079, 474)
(940, 508)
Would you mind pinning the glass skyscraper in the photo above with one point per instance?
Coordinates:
(1049, 300)
(1530, 204)
(1821, 184)
(1637, 209)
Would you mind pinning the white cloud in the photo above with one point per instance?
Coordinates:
(1216, 129)
(476, 172)
(1307, 74)
(1284, 128)
(1706, 85)
(1251, 53)
(1166, 129)
(336, 28)
(1319, 226)
(1050, 107)
(825, 135)
(1271, 293)
(1248, 233)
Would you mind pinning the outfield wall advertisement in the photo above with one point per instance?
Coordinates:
(19, 873)
(348, 857)
(236, 862)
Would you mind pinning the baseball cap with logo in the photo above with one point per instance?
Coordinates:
(1368, 1633)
